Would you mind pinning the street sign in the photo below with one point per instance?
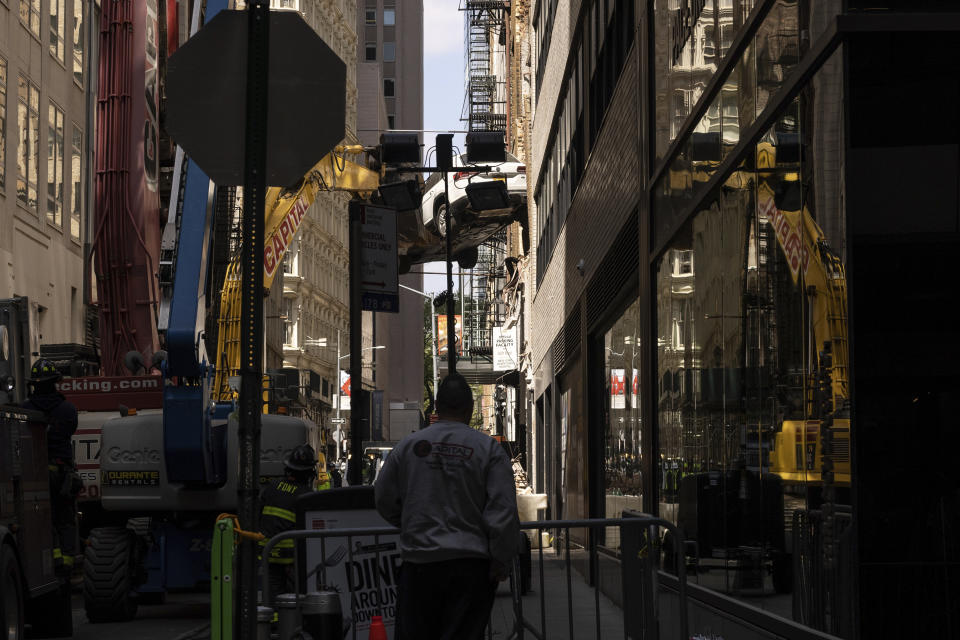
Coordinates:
(380, 279)
(206, 89)
(338, 420)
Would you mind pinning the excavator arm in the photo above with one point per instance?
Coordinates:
(285, 210)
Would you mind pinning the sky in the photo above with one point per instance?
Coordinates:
(442, 91)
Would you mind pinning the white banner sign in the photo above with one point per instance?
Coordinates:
(505, 349)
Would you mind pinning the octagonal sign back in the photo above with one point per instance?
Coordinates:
(206, 98)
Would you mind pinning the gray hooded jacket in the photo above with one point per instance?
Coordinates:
(450, 490)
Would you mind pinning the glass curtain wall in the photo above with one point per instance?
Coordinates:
(753, 416)
(623, 488)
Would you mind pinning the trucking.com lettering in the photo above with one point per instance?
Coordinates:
(107, 385)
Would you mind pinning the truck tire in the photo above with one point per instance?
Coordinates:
(11, 595)
(51, 615)
(467, 258)
(109, 575)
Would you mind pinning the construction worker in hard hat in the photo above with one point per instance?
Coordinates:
(278, 513)
(65, 483)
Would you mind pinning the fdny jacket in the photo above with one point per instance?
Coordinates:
(279, 514)
(450, 490)
(61, 423)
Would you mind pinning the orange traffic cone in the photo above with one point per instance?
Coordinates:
(377, 630)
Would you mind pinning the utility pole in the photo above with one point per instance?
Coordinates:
(451, 318)
(339, 398)
(358, 411)
(444, 155)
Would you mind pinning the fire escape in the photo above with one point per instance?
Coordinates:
(485, 31)
(485, 109)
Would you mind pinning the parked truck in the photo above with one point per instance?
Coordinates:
(32, 594)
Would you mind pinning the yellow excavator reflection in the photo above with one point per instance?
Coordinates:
(798, 453)
(798, 448)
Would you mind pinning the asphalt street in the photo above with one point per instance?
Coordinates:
(181, 613)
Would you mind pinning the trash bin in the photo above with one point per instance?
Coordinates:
(527, 506)
(322, 617)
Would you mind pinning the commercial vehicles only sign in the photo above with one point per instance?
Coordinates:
(379, 275)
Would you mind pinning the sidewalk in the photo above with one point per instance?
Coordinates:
(581, 605)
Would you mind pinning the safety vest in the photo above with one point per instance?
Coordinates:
(279, 514)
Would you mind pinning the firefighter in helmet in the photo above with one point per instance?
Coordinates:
(278, 513)
(65, 484)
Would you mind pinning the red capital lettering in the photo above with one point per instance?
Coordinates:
(269, 259)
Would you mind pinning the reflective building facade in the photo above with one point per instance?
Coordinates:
(756, 344)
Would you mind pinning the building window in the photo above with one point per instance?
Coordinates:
(57, 27)
(55, 166)
(389, 51)
(391, 121)
(76, 180)
(389, 17)
(371, 16)
(289, 322)
(28, 141)
(682, 263)
(388, 87)
(78, 41)
(371, 51)
(30, 15)
(3, 124)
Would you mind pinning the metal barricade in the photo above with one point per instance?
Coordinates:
(573, 596)
(822, 548)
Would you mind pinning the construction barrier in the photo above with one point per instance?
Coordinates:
(580, 588)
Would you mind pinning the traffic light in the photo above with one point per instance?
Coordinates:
(486, 146)
(397, 148)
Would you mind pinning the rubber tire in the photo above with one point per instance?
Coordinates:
(109, 570)
(467, 259)
(51, 615)
(440, 212)
(11, 588)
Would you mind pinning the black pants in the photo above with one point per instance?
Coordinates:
(281, 579)
(449, 600)
(63, 505)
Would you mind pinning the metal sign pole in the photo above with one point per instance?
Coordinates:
(354, 470)
(251, 310)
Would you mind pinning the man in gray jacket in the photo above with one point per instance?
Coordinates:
(450, 490)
